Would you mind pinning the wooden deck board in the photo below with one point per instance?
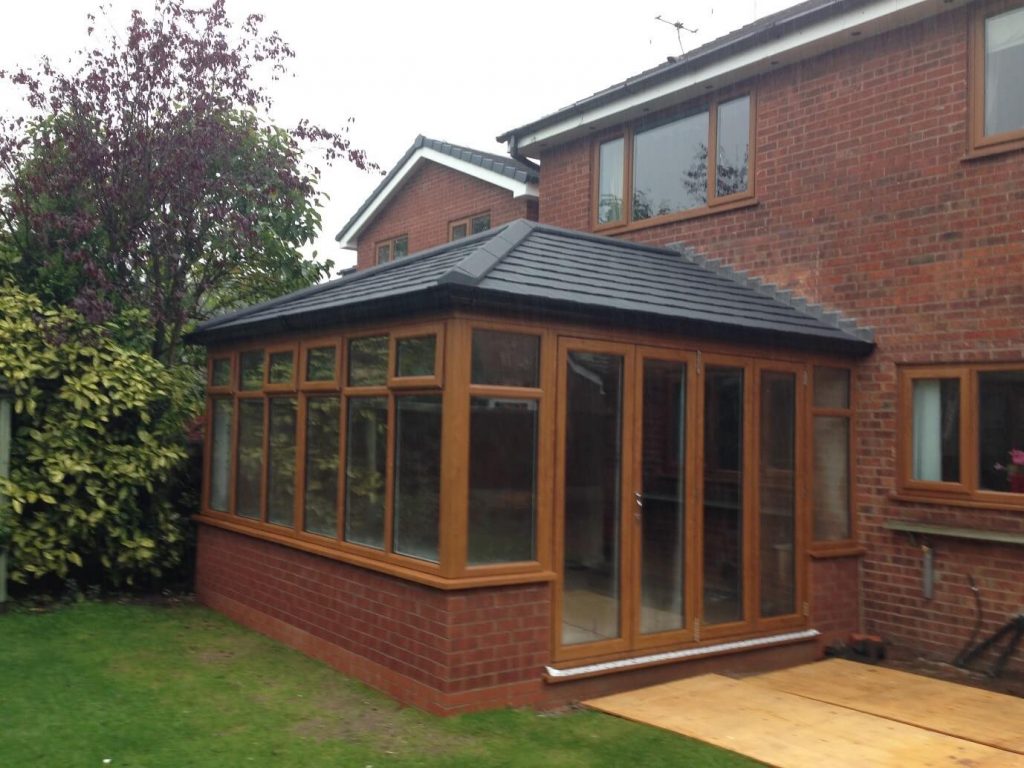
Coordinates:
(968, 713)
(792, 731)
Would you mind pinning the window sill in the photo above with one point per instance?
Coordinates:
(836, 549)
(991, 150)
(392, 569)
(696, 213)
(953, 532)
(972, 502)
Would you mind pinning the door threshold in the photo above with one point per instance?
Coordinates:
(555, 675)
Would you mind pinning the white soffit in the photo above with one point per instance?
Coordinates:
(848, 27)
(349, 238)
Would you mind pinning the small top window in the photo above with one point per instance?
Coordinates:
(997, 86)
(390, 250)
(251, 370)
(368, 361)
(220, 375)
(472, 226)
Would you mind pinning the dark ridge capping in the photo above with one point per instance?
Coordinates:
(831, 317)
(474, 268)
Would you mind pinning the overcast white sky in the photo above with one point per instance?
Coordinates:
(459, 71)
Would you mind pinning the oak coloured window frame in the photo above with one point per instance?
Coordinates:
(980, 144)
(628, 135)
(966, 492)
(390, 248)
(467, 222)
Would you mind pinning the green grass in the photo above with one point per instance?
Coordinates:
(178, 685)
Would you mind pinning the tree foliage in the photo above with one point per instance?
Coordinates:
(152, 177)
(98, 437)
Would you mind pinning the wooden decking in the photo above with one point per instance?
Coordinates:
(836, 713)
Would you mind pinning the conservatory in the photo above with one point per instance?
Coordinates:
(525, 466)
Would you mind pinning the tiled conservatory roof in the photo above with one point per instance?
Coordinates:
(545, 271)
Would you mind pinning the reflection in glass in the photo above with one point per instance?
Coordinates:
(664, 496)
(1004, 63)
(250, 458)
(723, 495)
(777, 483)
(322, 451)
(320, 363)
(670, 167)
(417, 475)
(732, 163)
(251, 365)
(480, 223)
(415, 356)
(831, 478)
(502, 480)
(280, 368)
(366, 454)
(1001, 431)
(593, 461)
(281, 462)
(221, 372)
(610, 164)
(220, 453)
(936, 430)
(368, 361)
(505, 359)
(831, 387)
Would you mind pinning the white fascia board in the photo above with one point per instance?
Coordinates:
(814, 39)
(349, 238)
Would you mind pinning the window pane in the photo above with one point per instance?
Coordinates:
(401, 247)
(593, 465)
(250, 458)
(670, 167)
(251, 364)
(320, 364)
(664, 497)
(732, 163)
(1001, 431)
(481, 223)
(831, 478)
(368, 361)
(322, 451)
(502, 480)
(220, 453)
(505, 359)
(281, 462)
(1004, 63)
(831, 387)
(611, 163)
(281, 368)
(415, 356)
(723, 495)
(384, 253)
(936, 435)
(221, 372)
(459, 231)
(366, 453)
(778, 493)
(417, 475)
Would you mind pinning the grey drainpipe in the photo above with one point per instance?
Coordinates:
(5, 471)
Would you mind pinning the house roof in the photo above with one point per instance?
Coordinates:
(795, 33)
(541, 270)
(519, 177)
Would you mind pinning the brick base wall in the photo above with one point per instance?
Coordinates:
(835, 597)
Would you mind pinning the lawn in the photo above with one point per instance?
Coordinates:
(98, 684)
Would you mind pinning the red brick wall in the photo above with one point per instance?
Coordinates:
(441, 651)
(835, 597)
(867, 204)
(432, 197)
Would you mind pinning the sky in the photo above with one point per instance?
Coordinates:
(462, 72)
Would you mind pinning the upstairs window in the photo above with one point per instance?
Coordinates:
(470, 226)
(390, 250)
(675, 167)
(997, 89)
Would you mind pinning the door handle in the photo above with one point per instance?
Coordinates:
(639, 499)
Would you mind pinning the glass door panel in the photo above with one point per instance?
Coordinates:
(591, 589)
(777, 493)
(663, 497)
(723, 531)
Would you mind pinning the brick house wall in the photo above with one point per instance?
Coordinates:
(867, 204)
(433, 196)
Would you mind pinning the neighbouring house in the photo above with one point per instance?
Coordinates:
(715, 409)
(436, 193)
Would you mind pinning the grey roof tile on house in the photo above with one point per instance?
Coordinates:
(503, 165)
(546, 271)
(770, 27)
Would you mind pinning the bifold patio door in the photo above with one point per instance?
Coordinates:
(677, 503)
